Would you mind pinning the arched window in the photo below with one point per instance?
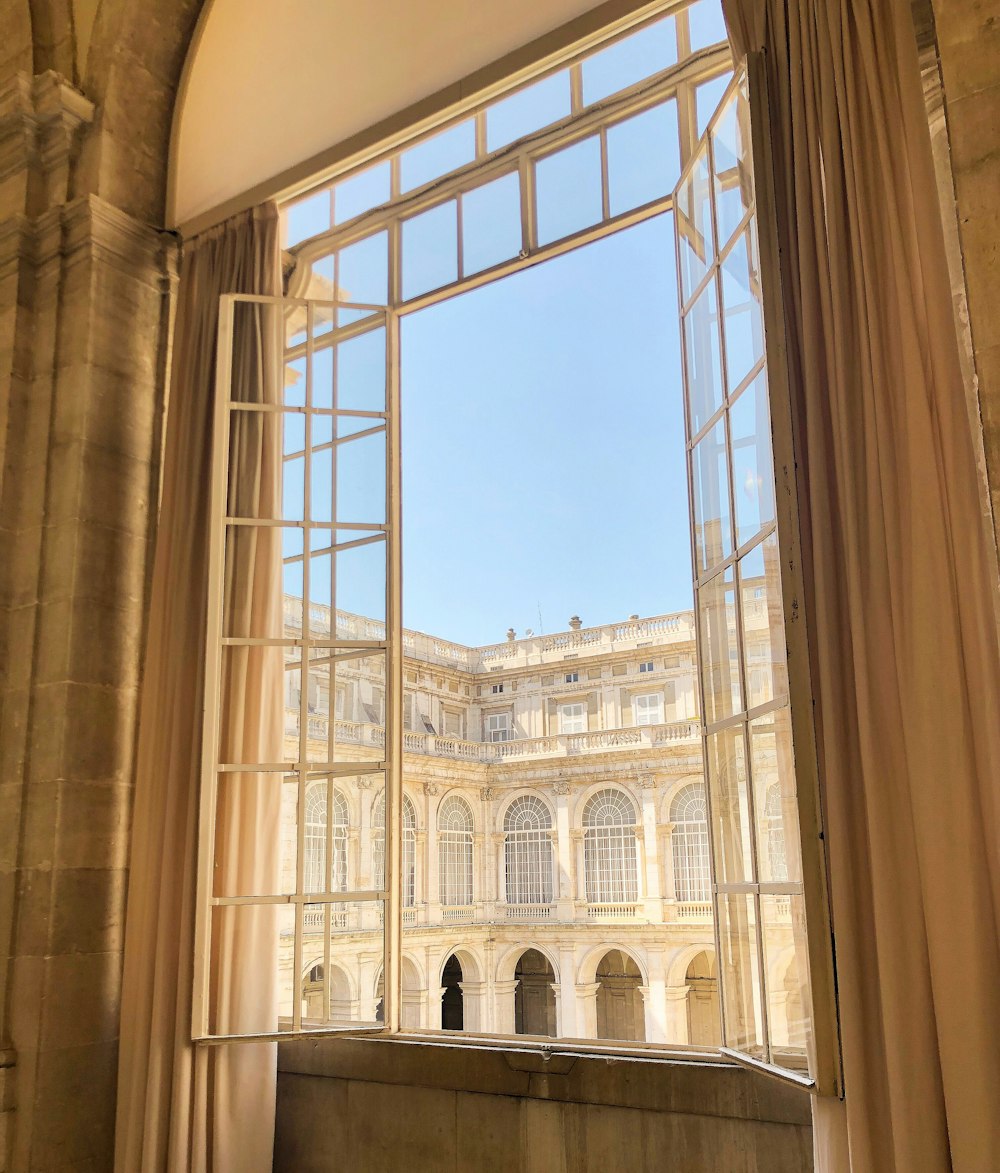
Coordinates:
(317, 809)
(609, 859)
(774, 823)
(689, 843)
(455, 851)
(409, 848)
(528, 851)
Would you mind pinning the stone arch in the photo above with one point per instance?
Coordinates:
(522, 792)
(704, 1022)
(473, 969)
(580, 805)
(508, 961)
(675, 787)
(678, 967)
(586, 973)
(620, 997)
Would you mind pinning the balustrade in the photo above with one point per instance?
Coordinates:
(533, 912)
(615, 912)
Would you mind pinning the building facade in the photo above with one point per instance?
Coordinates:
(555, 863)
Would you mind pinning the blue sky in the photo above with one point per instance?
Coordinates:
(543, 457)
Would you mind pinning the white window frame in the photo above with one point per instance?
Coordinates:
(497, 727)
(640, 700)
(679, 82)
(572, 717)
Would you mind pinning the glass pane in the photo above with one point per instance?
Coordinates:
(731, 826)
(706, 23)
(361, 373)
(763, 624)
(275, 797)
(733, 172)
(491, 223)
(291, 553)
(775, 799)
(644, 160)
(694, 224)
(629, 60)
(568, 190)
(360, 574)
(360, 480)
(707, 98)
(718, 651)
(309, 217)
(742, 984)
(753, 472)
(295, 383)
(710, 474)
(430, 250)
(334, 989)
(704, 361)
(251, 943)
(743, 325)
(438, 155)
(528, 110)
(786, 960)
(362, 192)
(364, 273)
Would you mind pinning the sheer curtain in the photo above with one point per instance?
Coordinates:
(182, 1108)
(900, 578)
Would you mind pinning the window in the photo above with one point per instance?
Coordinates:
(316, 826)
(433, 245)
(609, 855)
(498, 727)
(573, 718)
(528, 851)
(777, 859)
(455, 852)
(409, 848)
(649, 709)
(689, 845)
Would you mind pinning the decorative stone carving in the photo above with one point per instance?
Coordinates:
(431, 789)
(560, 788)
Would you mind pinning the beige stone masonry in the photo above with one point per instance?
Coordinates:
(83, 352)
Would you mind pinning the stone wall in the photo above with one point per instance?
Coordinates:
(374, 1105)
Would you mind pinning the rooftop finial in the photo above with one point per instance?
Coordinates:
(575, 623)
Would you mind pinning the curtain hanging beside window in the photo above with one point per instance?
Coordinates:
(182, 1108)
(900, 581)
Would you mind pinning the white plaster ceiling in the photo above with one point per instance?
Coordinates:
(271, 84)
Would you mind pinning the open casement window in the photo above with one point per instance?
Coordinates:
(304, 543)
(771, 912)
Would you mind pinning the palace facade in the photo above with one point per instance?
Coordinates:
(555, 862)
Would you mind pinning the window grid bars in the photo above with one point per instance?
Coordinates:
(321, 840)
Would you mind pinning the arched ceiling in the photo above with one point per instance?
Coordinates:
(270, 85)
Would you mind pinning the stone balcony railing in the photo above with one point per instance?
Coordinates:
(657, 630)
(362, 916)
(560, 745)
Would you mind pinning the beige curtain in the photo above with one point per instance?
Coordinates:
(182, 1108)
(900, 580)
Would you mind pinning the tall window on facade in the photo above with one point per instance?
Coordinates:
(573, 718)
(497, 727)
(316, 823)
(409, 848)
(528, 851)
(649, 709)
(689, 842)
(609, 857)
(455, 827)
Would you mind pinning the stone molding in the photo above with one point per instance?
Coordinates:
(42, 121)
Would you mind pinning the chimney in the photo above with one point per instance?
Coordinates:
(575, 623)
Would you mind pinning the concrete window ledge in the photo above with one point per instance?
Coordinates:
(420, 1105)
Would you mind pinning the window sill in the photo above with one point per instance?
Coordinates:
(703, 1085)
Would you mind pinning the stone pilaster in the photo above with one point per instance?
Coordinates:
(83, 355)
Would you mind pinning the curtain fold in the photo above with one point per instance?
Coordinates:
(182, 1108)
(899, 582)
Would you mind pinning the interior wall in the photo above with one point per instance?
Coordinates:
(968, 34)
(288, 81)
(373, 1105)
